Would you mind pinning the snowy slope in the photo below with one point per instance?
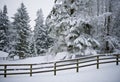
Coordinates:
(106, 73)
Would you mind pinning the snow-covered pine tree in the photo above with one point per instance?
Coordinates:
(40, 34)
(57, 21)
(4, 25)
(69, 25)
(1, 32)
(22, 32)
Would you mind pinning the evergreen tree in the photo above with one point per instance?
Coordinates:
(68, 26)
(22, 32)
(4, 25)
(40, 35)
(80, 24)
(1, 32)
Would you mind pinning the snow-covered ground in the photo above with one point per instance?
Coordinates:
(106, 73)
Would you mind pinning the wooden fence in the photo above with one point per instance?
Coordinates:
(9, 69)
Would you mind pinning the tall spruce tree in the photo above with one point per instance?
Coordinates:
(22, 32)
(4, 25)
(40, 34)
(1, 32)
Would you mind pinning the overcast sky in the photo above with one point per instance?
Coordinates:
(32, 7)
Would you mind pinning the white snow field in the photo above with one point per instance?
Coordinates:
(105, 73)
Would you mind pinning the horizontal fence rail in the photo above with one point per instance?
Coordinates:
(21, 69)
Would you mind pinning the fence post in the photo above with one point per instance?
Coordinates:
(31, 70)
(97, 62)
(5, 70)
(117, 59)
(55, 68)
(77, 64)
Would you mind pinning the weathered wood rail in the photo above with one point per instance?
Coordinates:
(9, 69)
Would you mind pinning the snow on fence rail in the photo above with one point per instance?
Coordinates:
(18, 69)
